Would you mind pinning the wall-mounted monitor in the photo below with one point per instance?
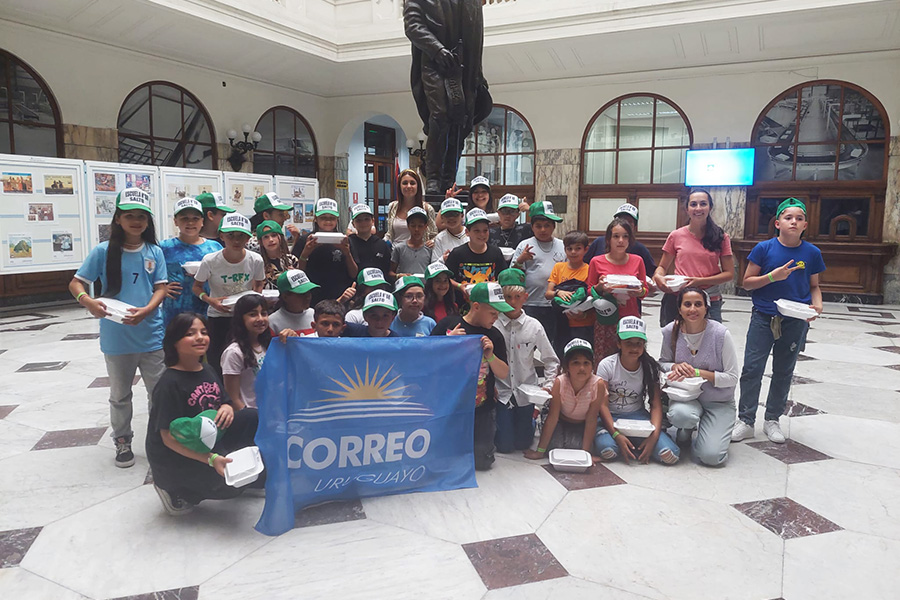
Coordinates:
(730, 166)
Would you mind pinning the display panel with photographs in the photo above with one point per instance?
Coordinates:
(821, 132)
(105, 181)
(181, 183)
(301, 193)
(242, 190)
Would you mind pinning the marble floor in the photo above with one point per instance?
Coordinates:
(816, 518)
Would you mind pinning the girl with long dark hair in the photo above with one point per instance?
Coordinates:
(440, 297)
(131, 268)
(243, 358)
(701, 251)
(409, 194)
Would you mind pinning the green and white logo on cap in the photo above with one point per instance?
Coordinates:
(435, 269)
(509, 201)
(451, 205)
(490, 293)
(360, 209)
(269, 201)
(607, 309)
(407, 281)
(578, 344)
(475, 215)
(199, 433)
(371, 276)
(326, 206)
(133, 199)
(632, 327)
(627, 209)
(480, 180)
(543, 209)
(209, 200)
(416, 211)
(295, 281)
(186, 203)
(380, 298)
(235, 222)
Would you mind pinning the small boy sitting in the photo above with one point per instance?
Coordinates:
(410, 322)
(414, 256)
(379, 310)
(454, 234)
(328, 318)
(295, 314)
(523, 336)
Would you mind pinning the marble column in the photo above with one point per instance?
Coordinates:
(729, 211)
(341, 171)
(326, 177)
(891, 231)
(556, 174)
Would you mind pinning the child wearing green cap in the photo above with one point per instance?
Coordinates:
(412, 256)
(486, 304)
(331, 266)
(269, 207)
(368, 249)
(379, 310)
(410, 322)
(189, 471)
(131, 268)
(785, 267)
(475, 261)
(454, 233)
(214, 210)
(440, 298)
(295, 314)
(275, 252)
(188, 246)
(368, 280)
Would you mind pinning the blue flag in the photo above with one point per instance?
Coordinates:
(343, 418)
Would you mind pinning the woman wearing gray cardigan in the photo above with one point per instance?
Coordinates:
(695, 346)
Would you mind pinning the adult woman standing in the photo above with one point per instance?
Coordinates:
(701, 251)
(409, 194)
(694, 346)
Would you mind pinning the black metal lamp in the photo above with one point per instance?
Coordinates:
(240, 148)
(420, 153)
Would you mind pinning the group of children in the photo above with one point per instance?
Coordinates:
(595, 360)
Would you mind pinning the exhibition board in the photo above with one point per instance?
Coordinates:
(42, 220)
(242, 190)
(180, 183)
(103, 181)
(301, 193)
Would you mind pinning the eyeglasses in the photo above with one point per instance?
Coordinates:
(413, 296)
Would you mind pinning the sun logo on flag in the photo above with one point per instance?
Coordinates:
(368, 387)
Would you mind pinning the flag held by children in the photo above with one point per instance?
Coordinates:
(353, 418)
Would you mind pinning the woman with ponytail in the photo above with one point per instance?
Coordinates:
(694, 346)
(131, 268)
(701, 251)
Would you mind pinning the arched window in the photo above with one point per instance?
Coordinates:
(288, 146)
(30, 121)
(633, 151)
(502, 149)
(163, 124)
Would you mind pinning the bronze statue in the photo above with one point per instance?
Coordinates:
(450, 91)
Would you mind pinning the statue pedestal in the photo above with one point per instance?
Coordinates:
(435, 200)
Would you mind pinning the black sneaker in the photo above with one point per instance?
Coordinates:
(173, 505)
(124, 455)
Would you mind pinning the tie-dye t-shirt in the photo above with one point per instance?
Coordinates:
(177, 253)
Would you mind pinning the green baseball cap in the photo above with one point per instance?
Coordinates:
(133, 199)
(543, 210)
(632, 327)
(273, 226)
(269, 201)
(790, 203)
(326, 206)
(235, 222)
(199, 433)
(210, 201)
(295, 281)
(511, 277)
(371, 277)
(578, 344)
(435, 269)
(476, 215)
(490, 293)
(380, 298)
(509, 201)
(606, 307)
(451, 205)
(407, 282)
(188, 203)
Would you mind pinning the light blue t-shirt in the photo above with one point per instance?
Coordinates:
(418, 328)
(772, 254)
(141, 270)
(177, 253)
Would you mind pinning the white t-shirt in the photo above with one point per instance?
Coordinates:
(446, 241)
(355, 316)
(233, 364)
(538, 269)
(626, 388)
(281, 319)
(227, 278)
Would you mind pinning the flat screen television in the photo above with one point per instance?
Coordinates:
(728, 166)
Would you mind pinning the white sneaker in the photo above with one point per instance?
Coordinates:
(773, 431)
(741, 431)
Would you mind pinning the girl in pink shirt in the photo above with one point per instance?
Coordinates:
(701, 251)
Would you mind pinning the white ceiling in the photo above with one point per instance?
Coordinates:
(648, 36)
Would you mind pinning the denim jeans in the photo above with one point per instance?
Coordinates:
(604, 440)
(668, 309)
(515, 427)
(761, 341)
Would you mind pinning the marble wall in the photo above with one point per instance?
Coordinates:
(556, 174)
(729, 209)
(91, 143)
(340, 171)
(891, 232)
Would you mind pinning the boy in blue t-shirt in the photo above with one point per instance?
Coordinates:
(788, 268)
(410, 322)
(187, 246)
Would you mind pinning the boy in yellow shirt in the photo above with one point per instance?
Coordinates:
(571, 325)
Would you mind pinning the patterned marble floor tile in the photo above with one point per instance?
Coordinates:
(36, 327)
(18, 584)
(70, 438)
(568, 588)
(855, 439)
(103, 382)
(16, 439)
(894, 349)
(597, 476)
(786, 518)
(879, 323)
(42, 366)
(843, 564)
(2, 350)
(476, 514)
(840, 399)
(80, 409)
(132, 529)
(6, 409)
(188, 593)
(81, 336)
(332, 512)
(859, 356)
(863, 498)
(790, 452)
(863, 376)
(595, 534)
(885, 334)
(796, 409)
(14, 545)
(870, 312)
(513, 560)
(356, 560)
(148, 478)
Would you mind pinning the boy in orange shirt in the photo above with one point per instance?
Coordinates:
(571, 325)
